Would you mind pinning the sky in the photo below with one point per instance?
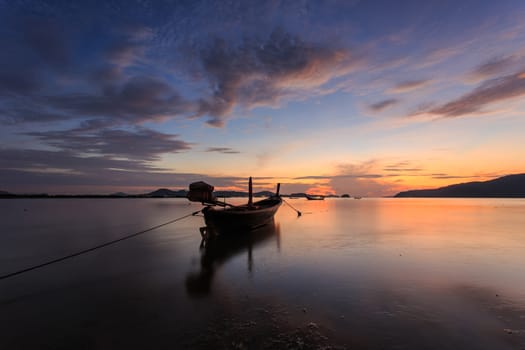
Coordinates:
(367, 98)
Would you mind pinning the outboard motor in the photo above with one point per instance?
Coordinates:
(201, 192)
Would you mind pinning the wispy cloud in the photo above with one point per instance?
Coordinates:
(117, 87)
(38, 170)
(361, 178)
(382, 105)
(450, 177)
(93, 83)
(313, 177)
(491, 91)
(491, 68)
(35, 160)
(130, 45)
(402, 167)
(225, 150)
(22, 110)
(140, 144)
(41, 80)
(442, 54)
(262, 72)
(139, 99)
(409, 85)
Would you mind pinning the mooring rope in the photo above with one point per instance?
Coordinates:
(298, 212)
(95, 247)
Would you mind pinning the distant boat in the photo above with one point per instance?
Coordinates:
(312, 197)
(225, 218)
(357, 197)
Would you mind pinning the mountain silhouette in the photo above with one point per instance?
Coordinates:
(506, 186)
(164, 192)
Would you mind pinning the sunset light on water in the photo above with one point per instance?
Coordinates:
(370, 273)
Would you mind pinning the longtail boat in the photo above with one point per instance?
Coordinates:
(225, 218)
(312, 197)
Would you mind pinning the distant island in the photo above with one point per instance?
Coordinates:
(510, 186)
(160, 193)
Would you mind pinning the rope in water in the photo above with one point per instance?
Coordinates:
(95, 247)
(288, 204)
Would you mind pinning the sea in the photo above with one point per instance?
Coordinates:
(373, 273)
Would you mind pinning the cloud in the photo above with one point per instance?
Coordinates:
(491, 91)
(36, 161)
(140, 144)
(263, 72)
(447, 177)
(129, 46)
(122, 78)
(24, 170)
(41, 81)
(139, 99)
(364, 179)
(22, 110)
(124, 53)
(408, 85)
(492, 68)
(313, 177)
(441, 55)
(362, 186)
(347, 176)
(357, 178)
(225, 150)
(105, 74)
(382, 105)
(401, 166)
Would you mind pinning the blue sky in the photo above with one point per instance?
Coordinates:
(362, 97)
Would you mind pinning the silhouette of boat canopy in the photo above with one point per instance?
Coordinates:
(223, 217)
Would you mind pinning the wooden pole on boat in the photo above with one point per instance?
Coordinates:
(250, 192)
(278, 188)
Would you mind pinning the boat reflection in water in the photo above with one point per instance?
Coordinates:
(218, 249)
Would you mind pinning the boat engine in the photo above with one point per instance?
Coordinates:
(201, 192)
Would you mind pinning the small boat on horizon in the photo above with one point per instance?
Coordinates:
(224, 218)
(312, 197)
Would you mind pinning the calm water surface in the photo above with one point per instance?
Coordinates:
(356, 274)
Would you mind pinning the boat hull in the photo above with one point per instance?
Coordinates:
(239, 219)
(315, 198)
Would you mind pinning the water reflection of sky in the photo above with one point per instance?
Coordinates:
(435, 242)
(375, 273)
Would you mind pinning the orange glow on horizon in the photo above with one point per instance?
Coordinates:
(321, 190)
